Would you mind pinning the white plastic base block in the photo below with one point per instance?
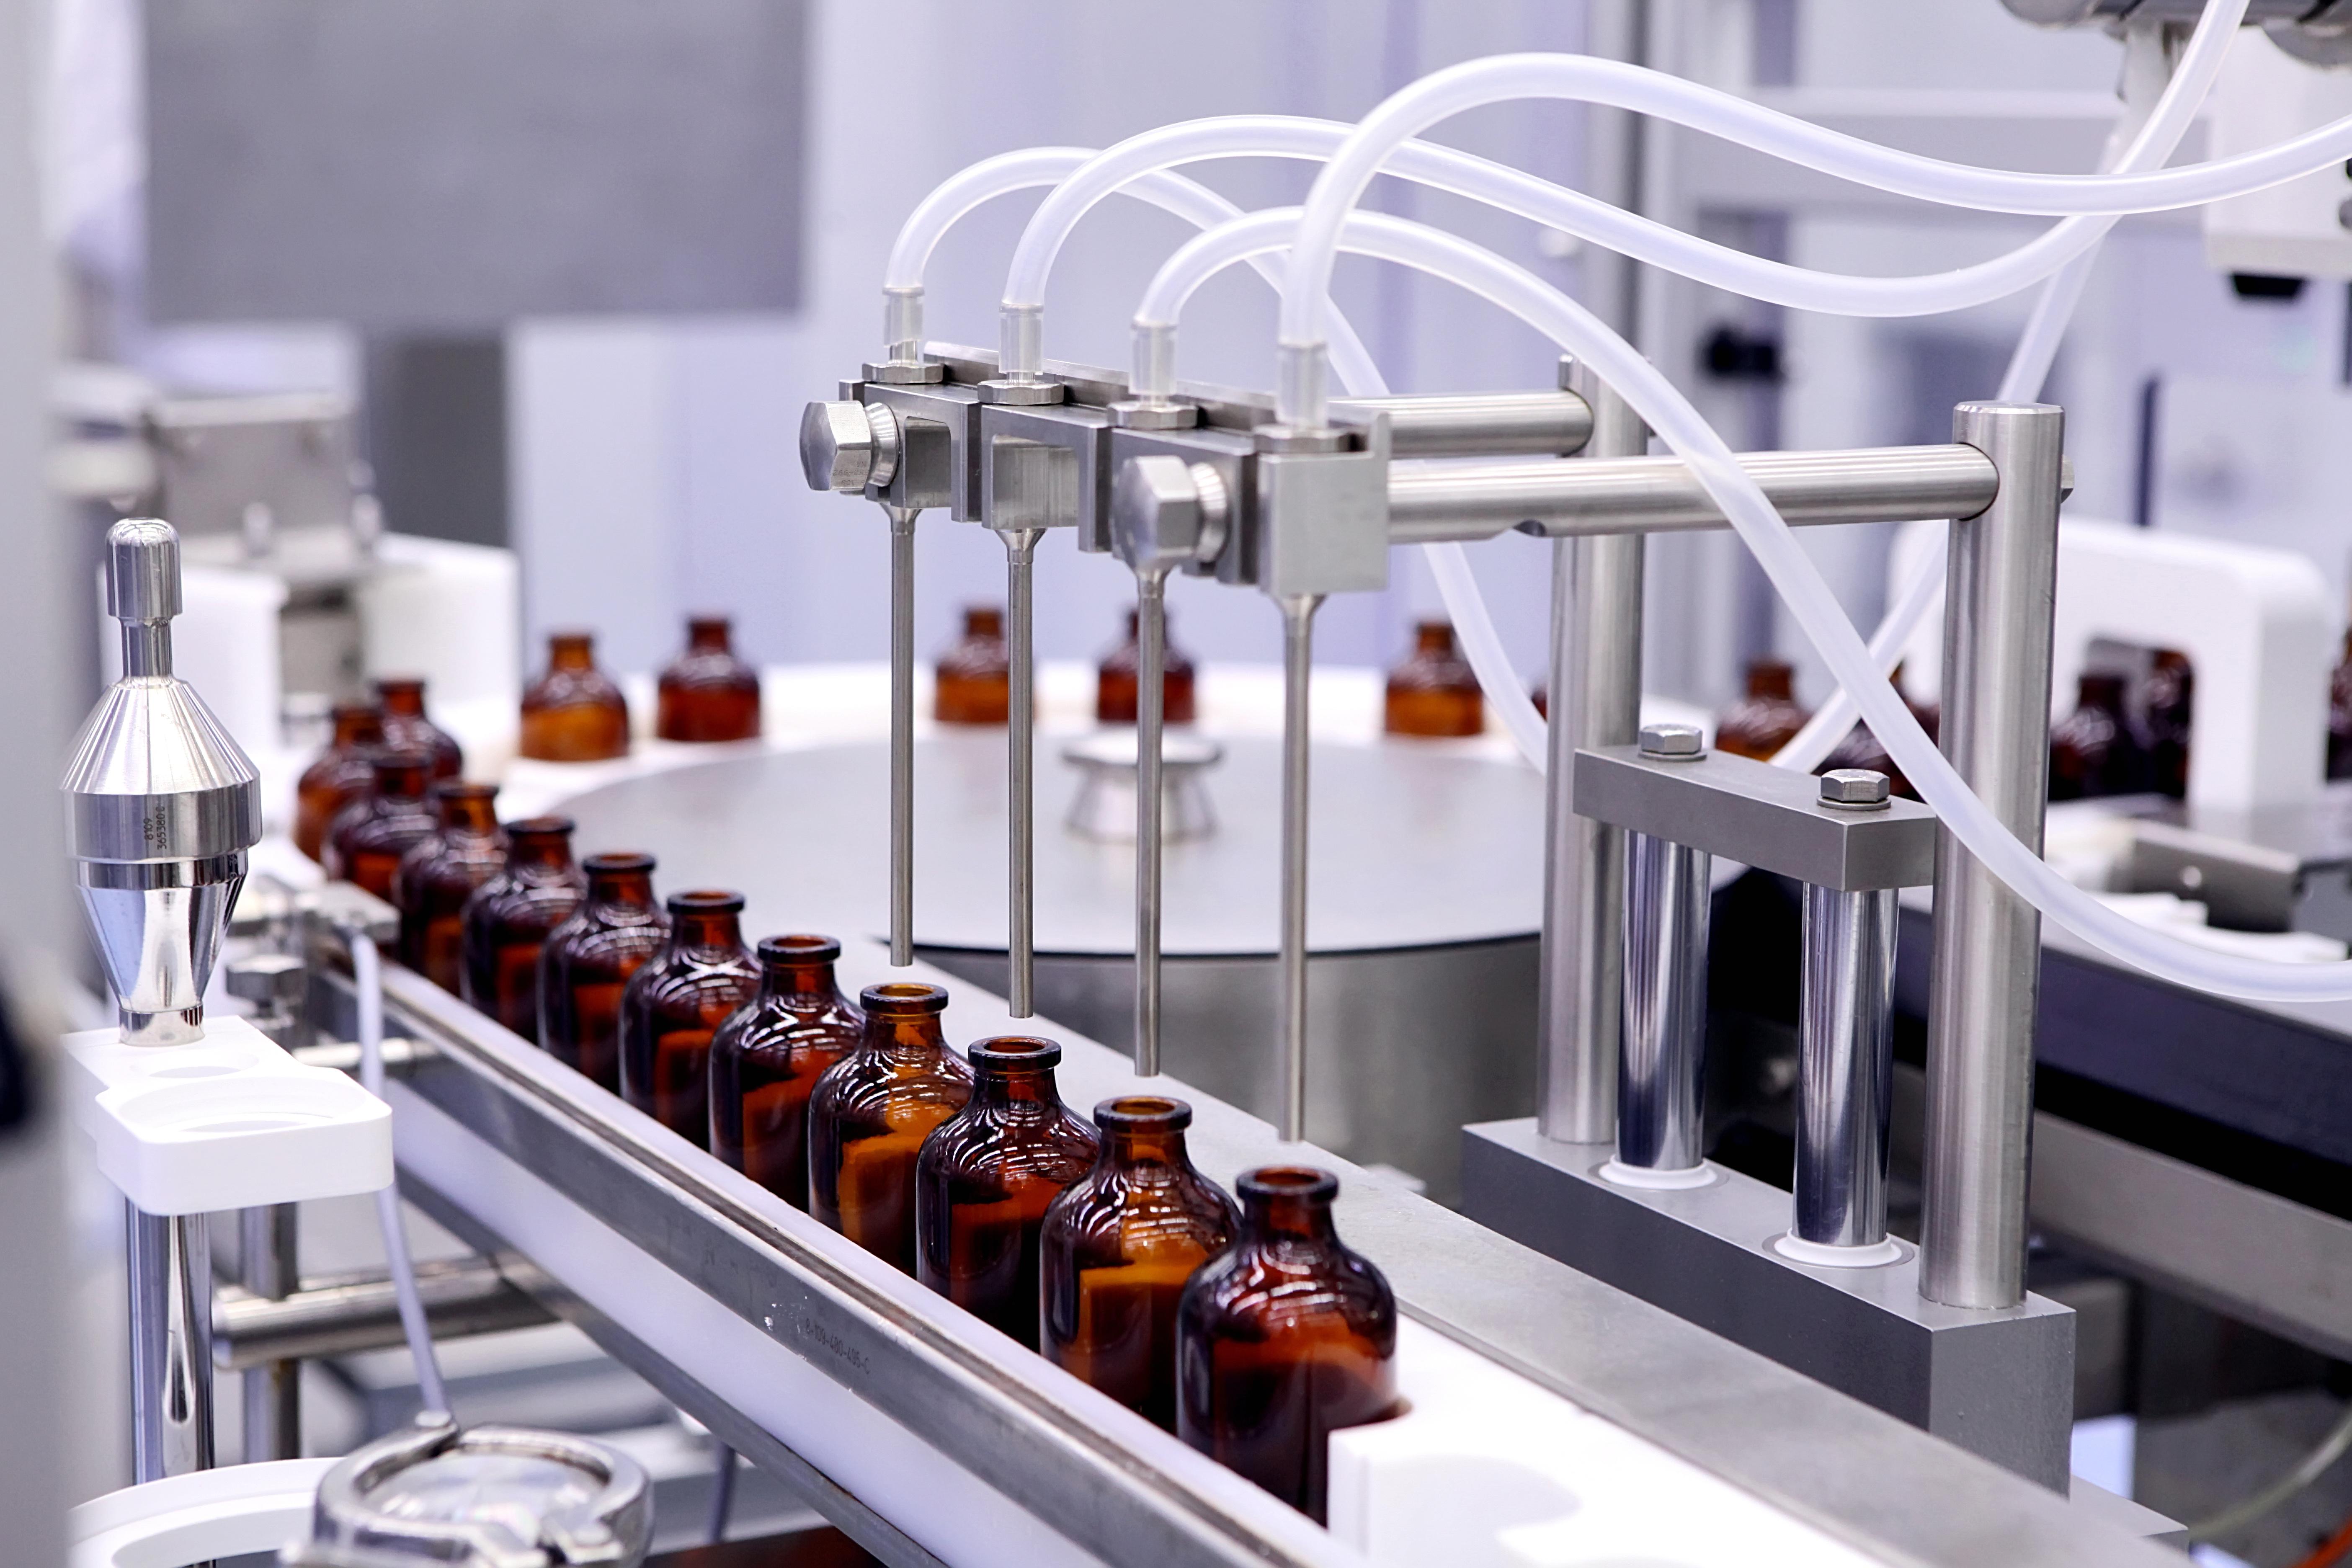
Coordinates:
(1649, 1180)
(233, 1512)
(230, 1121)
(1819, 1254)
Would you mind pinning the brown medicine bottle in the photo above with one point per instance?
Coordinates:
(1117, 679)
(337, 776)
(2169, 703)
(673, 1004)
(765, 1061)
(871, 1112)
(406, 728)
(1434, 691)
(1284, 1340)
(589, 960)
(510, 917)
(985, 1178)
(371, 835)
(1768, 718)
(2093, 751)
(439, 874)
(707, 694)
(1118, 1248)
(574, 713)
(975, 675)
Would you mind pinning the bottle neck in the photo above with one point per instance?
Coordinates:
(913, 1034)
(571, 653)
(541, 851)
(1295, 1218)
(1029, 1088)
(405, 698)
(468, 814)
(363, 727)
(1435, 640)
(1147, 1148)
(709, 636)
(706, 930)
(630, 890)
(797, 980)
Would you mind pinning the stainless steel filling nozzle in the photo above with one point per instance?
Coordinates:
(162, 806)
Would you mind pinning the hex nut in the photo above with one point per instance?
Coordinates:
(845, 446)
(1852, 787)
(1673, 742)
(1157, 516)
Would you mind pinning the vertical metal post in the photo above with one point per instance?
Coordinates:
(1595, 701)
(1298, 665)
(902, 734)
(170, 1268)
(269, 1267)
(1986, 977)
(1020, 759)
(1666, 907)
(1846, 1067)
(1150, 718)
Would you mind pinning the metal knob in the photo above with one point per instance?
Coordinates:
(142, 570)
(848, 447)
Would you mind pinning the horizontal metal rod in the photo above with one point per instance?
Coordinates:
(1479, 424)
(343, 1056)
(1646, 495)
(346, 1315)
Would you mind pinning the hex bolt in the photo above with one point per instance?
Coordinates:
(1673, 742)
(846, 447)
(1855, 789)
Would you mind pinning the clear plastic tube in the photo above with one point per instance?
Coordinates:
(367, 982)
(2146, 134)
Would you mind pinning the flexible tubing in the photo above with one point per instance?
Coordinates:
(1505, 76)
(367, 980)
(1800, 584)
(2139, 142)
(2307, 1470)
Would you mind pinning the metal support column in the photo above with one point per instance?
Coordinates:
(268, 1266)
(1596, 701)
(1998, 599)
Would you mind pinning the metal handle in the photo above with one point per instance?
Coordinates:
(1298, 665)
(1150, 720)
(1846, 1067)
(1020, 767)
(902, 734)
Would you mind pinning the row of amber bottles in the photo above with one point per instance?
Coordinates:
(575, 712)
(344, 772)
(973, 679)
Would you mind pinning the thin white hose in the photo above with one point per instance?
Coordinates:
(2145, 135)
(367, 981)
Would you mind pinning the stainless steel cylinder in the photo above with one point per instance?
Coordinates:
(269, 1267)
(169, 1259)
(1151, 648)
(1020, 767)
(1596, 701)
(1297, 667)
(902, 734)
(1998, 596)
(1667, 894)
(1845, 1067)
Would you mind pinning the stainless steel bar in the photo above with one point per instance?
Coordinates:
(1985, 973)
(1297, 666)
(1653, 495)
(1151, 650)
(1020, 770)
(347, 1315)
(1845, 1067)
(268, 1266)
(1479, 424)
(170, 1268)
(902, 734)
(1666, 895)
(1596, 701)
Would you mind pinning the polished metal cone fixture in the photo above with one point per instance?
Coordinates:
(162, 805)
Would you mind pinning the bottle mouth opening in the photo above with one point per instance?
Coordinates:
(1015, 1053)
(1143, 1114)
(399, 685)
(463, 789)
(1288, 1182)
(618, 863)
(706, 901)
(542, 827)
(800, 948)
(346, 711)
(398, 761)
(904, 998)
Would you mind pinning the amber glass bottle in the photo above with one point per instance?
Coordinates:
(871, 1112)
(674, 1003)
(766, 1059)
(574, 713)
(2093, 751)
(1115, 681)
(1284, 1340)
(1118, 1248)
(589, 960)
(509, 918)
(371, 834)
(440, 873)
(1768, 718)
(706, 693)
(1434, 691)
(2168, 706)
(406, 728)
(975, 675)
(985, 1178)
(337, 776)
